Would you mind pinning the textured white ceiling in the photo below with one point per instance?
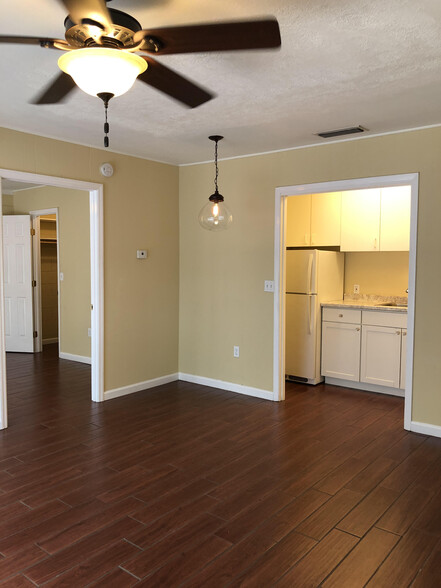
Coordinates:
(342, 63)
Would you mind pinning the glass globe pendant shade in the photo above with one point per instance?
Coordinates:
(215, 215)
(102, 70)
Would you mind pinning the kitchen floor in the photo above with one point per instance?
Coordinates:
(185, 485)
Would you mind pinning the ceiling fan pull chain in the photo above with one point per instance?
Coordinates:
(105, 97)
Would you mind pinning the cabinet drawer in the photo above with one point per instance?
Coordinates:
(342, 315)
(384, 319)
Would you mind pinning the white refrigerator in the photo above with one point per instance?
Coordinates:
(312, 277)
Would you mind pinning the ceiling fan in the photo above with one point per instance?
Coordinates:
(92, 28)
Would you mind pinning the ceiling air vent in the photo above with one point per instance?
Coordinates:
(342, 132)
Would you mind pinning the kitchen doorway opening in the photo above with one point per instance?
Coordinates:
(281, 197)
(95, 192)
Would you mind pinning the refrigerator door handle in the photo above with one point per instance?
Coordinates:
(309, 315)
(310, 273)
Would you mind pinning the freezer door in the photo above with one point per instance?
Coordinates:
(301, 336)
(301, 271)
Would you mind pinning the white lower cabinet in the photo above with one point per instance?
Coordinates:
(380, 356)
(368, 347)
(341, 350)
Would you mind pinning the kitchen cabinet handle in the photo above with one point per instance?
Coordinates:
(340, 316)
(357, 329)
(398, 332)
(404, 333)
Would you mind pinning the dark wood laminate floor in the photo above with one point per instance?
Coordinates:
(185, 485)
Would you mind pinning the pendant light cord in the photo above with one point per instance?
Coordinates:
(216, 166)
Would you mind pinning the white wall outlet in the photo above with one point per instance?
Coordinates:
(89, 332)
(269, 286)
(356, 289)
(141, 254)
(236, 351)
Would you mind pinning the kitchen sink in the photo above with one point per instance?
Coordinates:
(393, 304)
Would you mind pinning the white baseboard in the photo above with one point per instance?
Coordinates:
(49, 341)
(72, 357)
(425, 429)
(229, 386)
(132, 388)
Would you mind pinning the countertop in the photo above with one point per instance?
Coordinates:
(364, 305)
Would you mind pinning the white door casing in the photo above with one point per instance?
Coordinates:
(281, 197)
(97, 280)
(17, 276)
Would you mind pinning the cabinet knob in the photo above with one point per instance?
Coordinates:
(404, 333)
(357, 329)
(398, 332)
(340, 316)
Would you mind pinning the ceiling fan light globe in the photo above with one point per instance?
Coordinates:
(101, 70)
(215, 216)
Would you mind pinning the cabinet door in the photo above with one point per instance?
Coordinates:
(325, 219)
(395, 219)
(403, 359)
(298, 221)
(380, 356)
(360, 220)
(341, 351)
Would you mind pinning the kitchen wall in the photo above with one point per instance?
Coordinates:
(74, 252)
(222, 302)
(377, 272)
(140, 212)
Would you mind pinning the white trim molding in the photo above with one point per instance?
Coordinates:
(425, 429)
(281, 194)
(96, 274)
(140, 386)
(73, 357)
(228, 386)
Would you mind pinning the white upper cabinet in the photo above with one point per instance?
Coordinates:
(325, 219)
(313, 220)
(395, 219)
(360, 220)
(298, 224)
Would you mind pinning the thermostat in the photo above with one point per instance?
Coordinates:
(106, 170)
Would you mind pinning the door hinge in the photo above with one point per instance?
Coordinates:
(34, 283)
(35, 334)
(32, 232)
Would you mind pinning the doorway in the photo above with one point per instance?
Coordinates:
(96, 280)
(281, 197)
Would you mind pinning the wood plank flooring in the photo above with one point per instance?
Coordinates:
(185, 485)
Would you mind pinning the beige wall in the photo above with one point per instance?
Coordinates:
(384, 273)
(222, 302)
(140, 212)
(74, 252)
(7, 204)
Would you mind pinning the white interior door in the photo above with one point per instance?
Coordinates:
(17, 256)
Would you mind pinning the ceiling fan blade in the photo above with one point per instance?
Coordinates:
(56, 91)
(46, 42)
(228, 36)
(92, 10)
(173, 84)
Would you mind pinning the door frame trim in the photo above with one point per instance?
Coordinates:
(96, 279)
(281, 195)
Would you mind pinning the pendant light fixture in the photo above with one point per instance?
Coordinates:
(215, 216)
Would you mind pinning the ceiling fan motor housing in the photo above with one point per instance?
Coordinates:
(125, 26)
